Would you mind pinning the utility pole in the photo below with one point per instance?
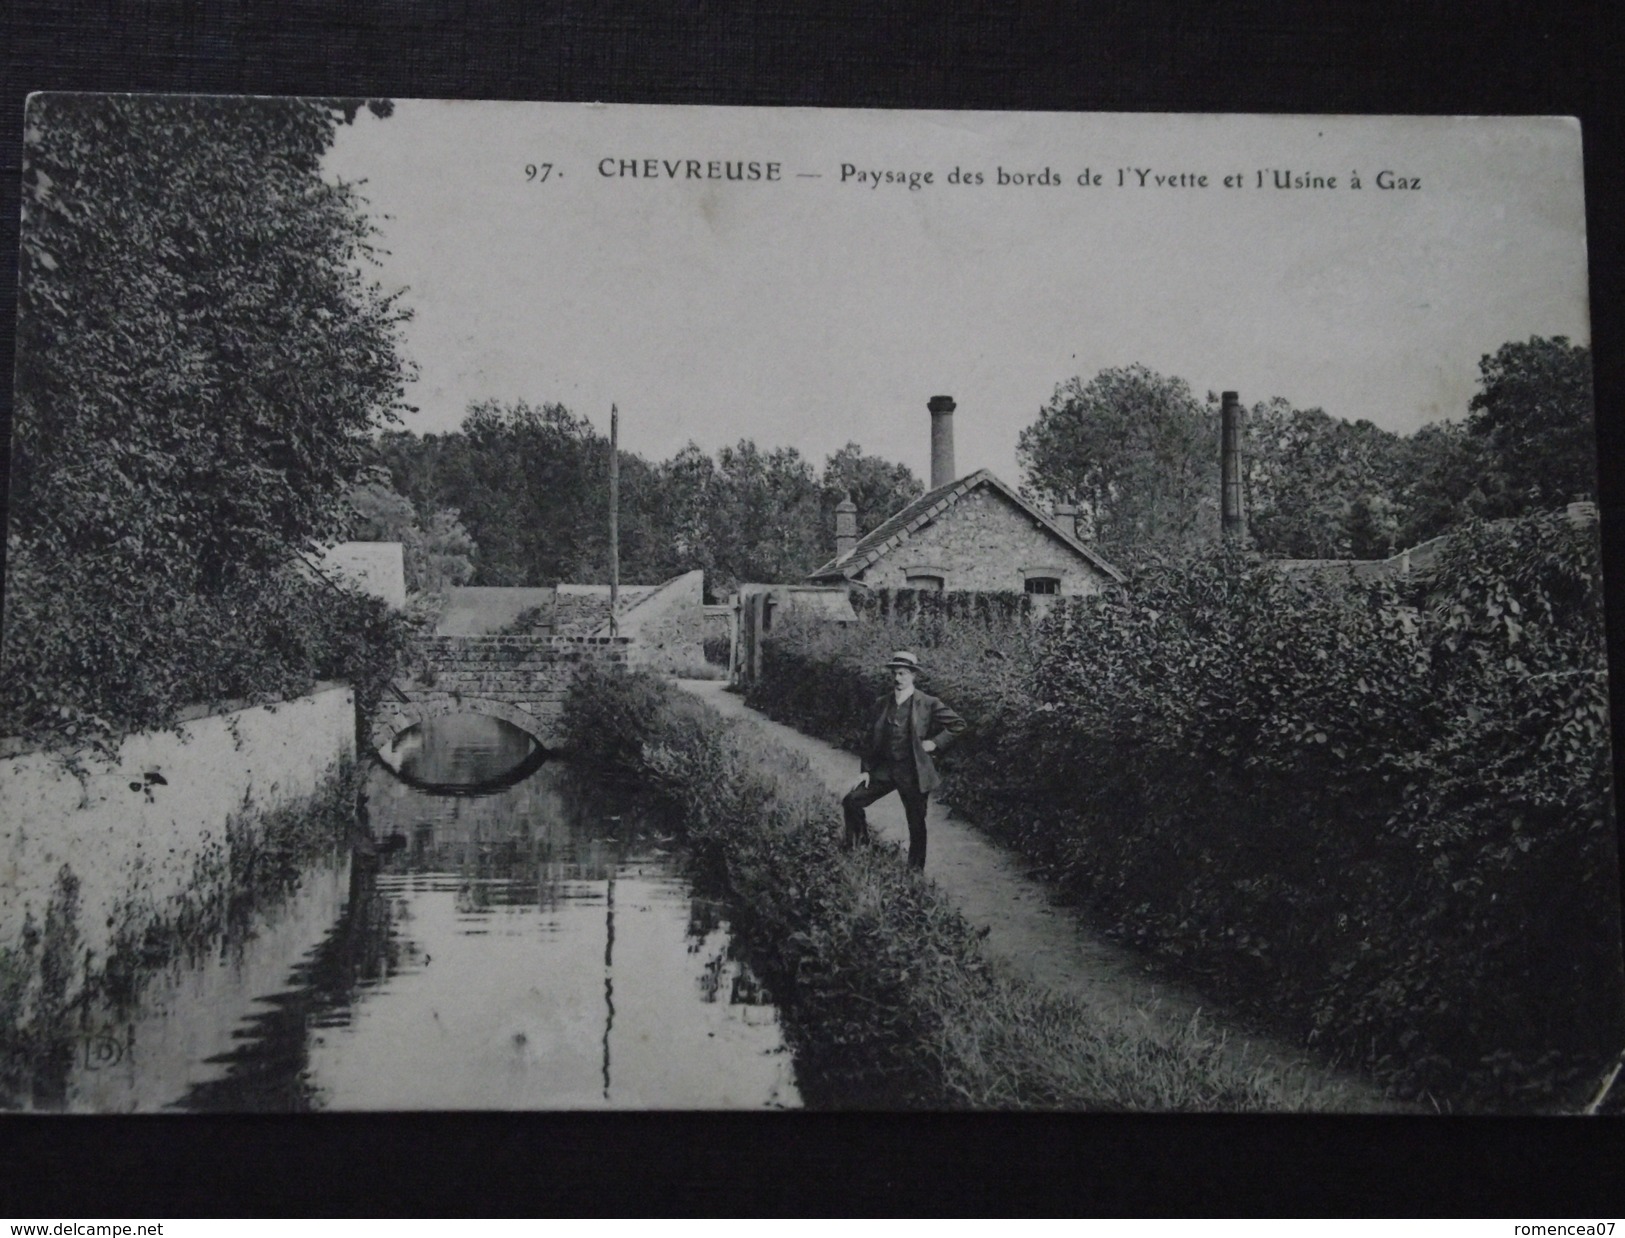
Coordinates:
(614, 518)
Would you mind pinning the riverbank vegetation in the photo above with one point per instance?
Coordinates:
(887, 997)
(1374, 813)
(200, 373)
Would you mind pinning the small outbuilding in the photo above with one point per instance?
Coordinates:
(756, 608)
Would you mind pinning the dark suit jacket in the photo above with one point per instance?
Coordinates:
(928, 718)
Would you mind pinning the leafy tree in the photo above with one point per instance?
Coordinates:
(444, 556)
(688, 486)
(201, 363)
(1534, 408)
(768, 515)
(200, 357)
(1447, 477)
(532, 486)
(1138, 454)
(381, 514)
(878, 488)
(437, 556)
(1320, 487)
(522, 477)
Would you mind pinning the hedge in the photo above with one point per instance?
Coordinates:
(1376, 814)
(83, 664)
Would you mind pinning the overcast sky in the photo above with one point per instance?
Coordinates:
(810, 312)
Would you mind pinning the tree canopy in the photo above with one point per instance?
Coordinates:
(437, 553)
(1136, 451)
(1140, 456)
(1534, 410)
(202, 360)
(531, 484)
(200, 357)
(1319, 487)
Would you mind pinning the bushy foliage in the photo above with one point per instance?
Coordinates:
(437, 553)
(532, 485)
(201, 357)
(202, 360)
(81, 675)
(1378, 813)
(887, 998)
(977, 651)
(1535, 410)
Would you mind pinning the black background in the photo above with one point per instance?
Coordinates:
(1476, 57)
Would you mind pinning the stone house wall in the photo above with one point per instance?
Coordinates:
(984, 542)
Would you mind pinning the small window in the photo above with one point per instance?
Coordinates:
(1043, 584)
(926, 581)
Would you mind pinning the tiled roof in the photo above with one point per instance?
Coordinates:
(901, 526)
(1416, 560)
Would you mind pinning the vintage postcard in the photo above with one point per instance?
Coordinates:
(556, 606)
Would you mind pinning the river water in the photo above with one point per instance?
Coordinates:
(526, 941)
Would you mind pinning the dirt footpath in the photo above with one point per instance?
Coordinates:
(1045, 942)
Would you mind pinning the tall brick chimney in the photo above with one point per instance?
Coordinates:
(1066, 515)
(846, 526)
(1233, 521)
(942, 440)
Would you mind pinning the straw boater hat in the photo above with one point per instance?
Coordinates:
(904, 659)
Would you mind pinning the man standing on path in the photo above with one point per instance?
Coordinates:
(908, 727)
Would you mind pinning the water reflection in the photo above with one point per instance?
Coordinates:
(464, 754)
(191, 1014)
(534, 947)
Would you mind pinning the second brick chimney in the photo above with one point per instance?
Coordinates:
(846, 526)
(942, 440)
(1233, 520)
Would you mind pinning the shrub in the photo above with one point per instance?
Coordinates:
(80, 667)
(199, 375)
(1378, 815)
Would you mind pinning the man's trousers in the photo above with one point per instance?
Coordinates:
(881, 784)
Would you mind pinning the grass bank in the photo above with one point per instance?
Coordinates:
(887, 997)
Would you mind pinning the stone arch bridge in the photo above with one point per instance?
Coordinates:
(519, 679)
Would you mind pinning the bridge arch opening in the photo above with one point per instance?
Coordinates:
(396, 720)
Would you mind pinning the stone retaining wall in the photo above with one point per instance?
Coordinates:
(109, 868)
